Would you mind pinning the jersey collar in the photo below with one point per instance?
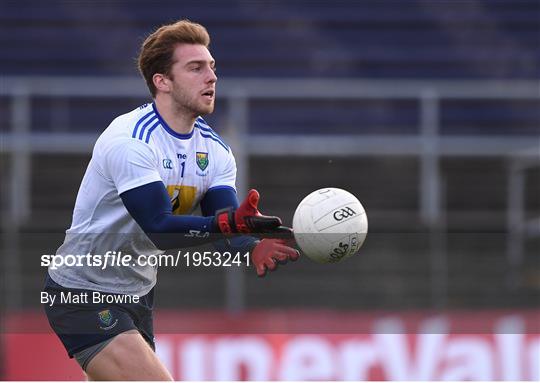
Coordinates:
(168, 129)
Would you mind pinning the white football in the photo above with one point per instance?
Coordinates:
(330, 225)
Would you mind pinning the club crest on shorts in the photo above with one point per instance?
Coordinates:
(202, 160)
(106, 318)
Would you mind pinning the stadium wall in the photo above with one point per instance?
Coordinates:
(312, 345)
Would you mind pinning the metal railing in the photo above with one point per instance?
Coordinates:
(20, 142)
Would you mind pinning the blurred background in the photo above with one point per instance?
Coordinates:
(427, 111)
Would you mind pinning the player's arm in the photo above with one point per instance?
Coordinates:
(133, 168)
(150, 207)
(265, 253)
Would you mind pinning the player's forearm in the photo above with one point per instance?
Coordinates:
(178, 231)
(150, 207)
(169, 231)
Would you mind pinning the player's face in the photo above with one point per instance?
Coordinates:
(193, 79)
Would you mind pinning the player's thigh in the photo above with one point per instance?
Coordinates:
(127, 357)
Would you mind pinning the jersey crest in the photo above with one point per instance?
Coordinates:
(202, 160)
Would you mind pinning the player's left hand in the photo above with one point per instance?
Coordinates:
(270, 252)
(247, 219)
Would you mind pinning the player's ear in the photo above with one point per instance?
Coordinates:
(162, 82)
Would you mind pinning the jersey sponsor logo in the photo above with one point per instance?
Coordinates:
(182, 198)
(202, 160)
(167, 164)
(106, 319)
(181, 156)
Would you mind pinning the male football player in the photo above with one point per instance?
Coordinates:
(149, 170)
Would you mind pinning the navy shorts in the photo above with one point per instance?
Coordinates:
(82, 325)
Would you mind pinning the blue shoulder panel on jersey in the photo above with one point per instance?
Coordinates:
(140, 121)
(207, 132)
(151, 130)
(215, 139)
(206, 128)
(146, 124)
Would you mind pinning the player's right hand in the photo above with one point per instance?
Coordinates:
(247, 219)
(270, 252)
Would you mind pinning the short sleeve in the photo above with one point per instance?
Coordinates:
(226, 172)
(130, 163)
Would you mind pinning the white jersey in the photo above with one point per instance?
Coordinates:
(136, 149)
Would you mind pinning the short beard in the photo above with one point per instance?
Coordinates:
(186, 106)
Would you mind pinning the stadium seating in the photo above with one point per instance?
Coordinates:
(371, 39)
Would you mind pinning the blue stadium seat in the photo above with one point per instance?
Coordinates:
(482, 39)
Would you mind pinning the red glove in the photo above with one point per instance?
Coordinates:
(269, 252)
(248, 219)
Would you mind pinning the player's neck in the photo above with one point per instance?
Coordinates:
(178, 120)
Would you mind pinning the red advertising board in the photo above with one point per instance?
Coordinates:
(311, 345)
